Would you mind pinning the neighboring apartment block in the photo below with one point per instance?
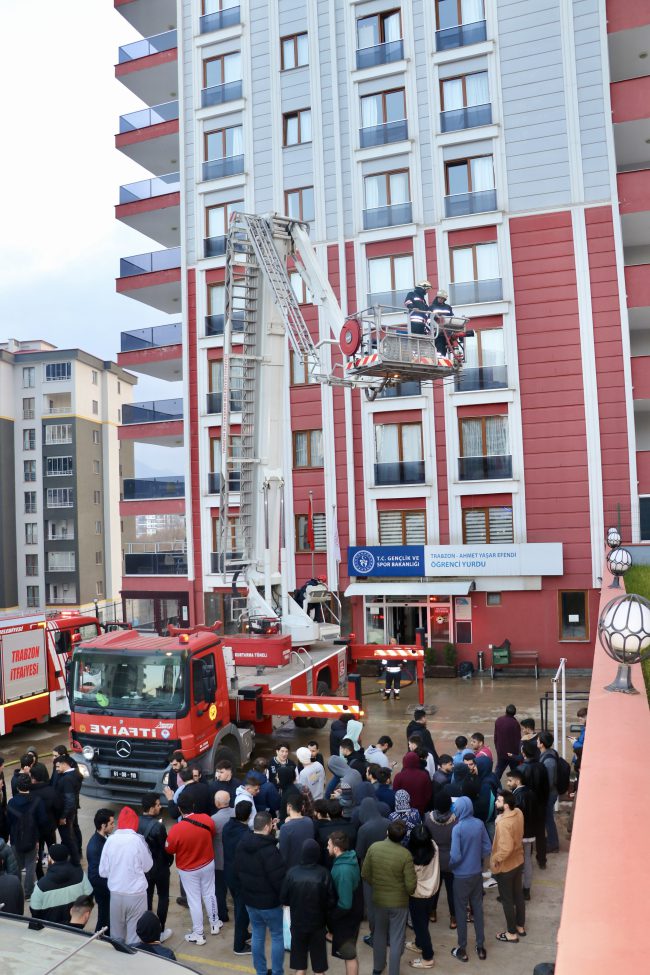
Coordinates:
(60, 474)
(500, 148)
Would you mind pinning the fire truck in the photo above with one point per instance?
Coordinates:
(34, 651)
(135, 698)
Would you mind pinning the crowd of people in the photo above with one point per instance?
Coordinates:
(302, 847)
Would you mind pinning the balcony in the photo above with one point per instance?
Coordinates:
(460, 36)
(214, 482)
(393, 299)
(220, 94)
(153, 278)
(153, 488)
(399, 472)
(60, 531)
(214, 402)
(218, 20)
(152, 207)
(220, 168)
(57, 405)
(153, 411)
(411, 388)
(148, 16)
(381, 135)
(215, 324)
(61, 564)
(155, 351)
(155, 564)
(474, 292)
(66, 600)
(370, 57)
(145, 118)
(465, 118)
(150, 137)
(156, 337)
(214, 246)
(148, 189)
(490, 468)
(149, 67)
(462, 204)
(391, 216)
(483, 377)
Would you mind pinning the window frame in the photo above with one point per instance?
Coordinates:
(387, 175)
(392, 258)
(486, 512)
(298, 518)
(403, 514)
(382, 17)
(29, 471)
(286, 118)
(294, 38)
(483, 420)
(462, 78)
(226, 219)
(382, 95)
(459, 13)
(31, 564)
(30, 502)
(467, 161)
(304, 297)
(221, 132)
(29, 374)
(52, 463)
(309, 465)
(33, 597)
(400, 442)
(478, 333)
(210, 299)
(569, 639)
(301, 207)
(64, 367)
(472, 247)
(293, 364)
(221, 58)
(29, 438)
(31, 533)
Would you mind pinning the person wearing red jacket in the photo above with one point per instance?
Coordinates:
(191, 841)
(414, 780)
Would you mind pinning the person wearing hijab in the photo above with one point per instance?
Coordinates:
(410, 817)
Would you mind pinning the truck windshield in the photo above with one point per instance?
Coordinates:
(88, 631)
(142, 683)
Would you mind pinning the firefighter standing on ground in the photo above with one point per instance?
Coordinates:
(393, 671)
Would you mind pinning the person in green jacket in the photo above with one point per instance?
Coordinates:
(347, 915)
(388, 868)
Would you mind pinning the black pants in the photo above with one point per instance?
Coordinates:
(446, 877)
(241, 934)
(103, 901)
(540, 835)
(308, 943)
(511, 892)
(160, 884)
(68, 837)
(506, 763)
(420, 908)
(220, 890)
(393, 680)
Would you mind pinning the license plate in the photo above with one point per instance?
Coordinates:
(119, 773)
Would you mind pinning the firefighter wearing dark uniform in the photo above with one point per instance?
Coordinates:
(417, 305)
(439, 306)
(393, 672)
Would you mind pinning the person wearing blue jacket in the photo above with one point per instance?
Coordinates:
(470, 844)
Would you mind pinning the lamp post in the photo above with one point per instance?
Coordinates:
(619, 561)
(613, 537)
(624, 634)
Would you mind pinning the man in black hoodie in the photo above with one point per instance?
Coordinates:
(66, 785)
(338, 731)
(309, 894)
(525, 800)
(234, 831)
(155, 835)
(27, 822)
(51, 801)
(260, 871)
(418, 726)
(536, 778)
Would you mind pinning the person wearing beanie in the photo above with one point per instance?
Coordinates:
(124, 863)
(148, 930)
(309, 894)
(56, 892)
(440, 823)
(313, 773)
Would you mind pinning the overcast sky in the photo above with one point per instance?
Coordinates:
(60, 244)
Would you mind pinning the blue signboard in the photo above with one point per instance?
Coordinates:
(386, 560)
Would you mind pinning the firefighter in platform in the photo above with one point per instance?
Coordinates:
(417, 305)
(439, 306)
(393, 671)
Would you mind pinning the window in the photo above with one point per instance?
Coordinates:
(479, 262)
(94, 377)
(221, 70)
(296, 127)
(300, 370)
(484, 450)
(402, 528)
(119, 416)
(97, 497)
(56, 372)
(97, 469)
(31, 533)
(95, 407)
(98, 528)
(484, 362)
(387, 189)
(59, 466)
(33, 597)
(390, 278)
(398, 443)
(223, 143)
(300, 289)
(465, 91)
(30, 502)
(29, 439)
(29, 377)
(96, 438)
(487, 526)
(61, 561)
(99, 558)
(452, 13)
(299, 204)
(31, 565)
(474, 175)
(379, 29)
(60, 497)
(493, 599)
(381, 109)
(216, 299)
(204, 679)
(574, 618)
(308, 448)
(234, 540)
(29, 470)
(294, 51)
(217, 218)
(28, 408)
(320, 533)
(58, 433)
(99, 588)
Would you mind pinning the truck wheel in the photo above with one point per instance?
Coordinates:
(302, 722)
(322, 690)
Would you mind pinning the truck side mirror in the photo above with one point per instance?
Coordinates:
(68, 678)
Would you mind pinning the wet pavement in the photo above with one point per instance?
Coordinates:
(459, 707)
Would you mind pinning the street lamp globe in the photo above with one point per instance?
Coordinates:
(613, 537)
(624, 634)
(619, 561)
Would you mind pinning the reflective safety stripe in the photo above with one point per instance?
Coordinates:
(325, 708)
(398, 652)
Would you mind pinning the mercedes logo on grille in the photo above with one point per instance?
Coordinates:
(123, 748)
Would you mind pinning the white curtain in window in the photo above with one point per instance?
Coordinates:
(478, 91)
(399, 188)
(302, 44)
(232, 68)
(403, 267)
(300, 449)
(472, 438)
(373, 186)
(317, 448)
(411, 442)
(392, 28)
(452, 94)
(367, 32)
(471, 11)
(496, 435)
(482, 173)
(487, 262)
(305, 126)
(463, 264)
(387, 443)
(471, 352)
(492, 346)
(370, 108)
(378, 275)
(217, 299)
(235, 141)
(216, 377)
(216, 221)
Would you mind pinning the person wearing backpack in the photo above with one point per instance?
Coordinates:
(27, 821)
(155, 835)
(427, 871)
(549, 758)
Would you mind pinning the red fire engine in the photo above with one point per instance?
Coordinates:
(33, 655)
(136, 698)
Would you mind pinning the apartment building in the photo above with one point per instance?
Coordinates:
(61, 469)
(499, 148)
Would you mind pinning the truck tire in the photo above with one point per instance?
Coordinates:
(302, 722)
(322, 690)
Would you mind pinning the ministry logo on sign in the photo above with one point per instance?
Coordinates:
(363, 562)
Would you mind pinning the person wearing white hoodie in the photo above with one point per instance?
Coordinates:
(313, 773)
(124, 862)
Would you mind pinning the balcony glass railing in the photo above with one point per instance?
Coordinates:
(68, 566)
(59, 601)
(147, 46)
(215, 324)
(472, 292)
(461, 204)
(216, 562)
(482, 377)
(215, 401)
(153, 488)
(390, 216)
(147, 189)
(411, 388)
(214, 246)
(219, 20)
(156, 337)
(153, 411)
(400, 472)
(214, 482)
(155, 564)
(145, 117)
(460, 36)
(368, 57)
(219, 94)
(380, 135)
(220, 168)
(394, 299)
(485, 468)
(465, 118)
(149, 263)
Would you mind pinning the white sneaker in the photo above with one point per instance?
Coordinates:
(489, 884)
(216, 927)
(167, 933)
(196, 939)
(487, 874)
